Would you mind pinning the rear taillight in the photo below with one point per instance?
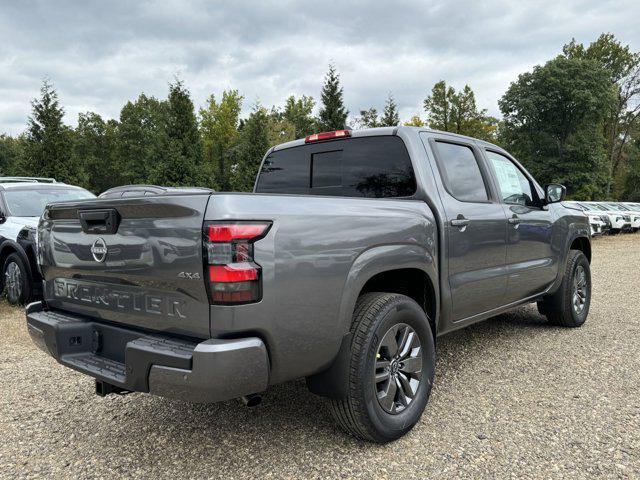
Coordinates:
(232, 273)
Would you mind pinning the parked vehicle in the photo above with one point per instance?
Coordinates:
(599, 223)
(147, 190)
(635, 207)
(22, 201)
(633, 214)
(354, 252)
(619, 221)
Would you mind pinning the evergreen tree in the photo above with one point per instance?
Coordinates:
(298, 112)
(182, 165)
(252, 145)
(333, 114)
(390, 116)
(49, 142)
(219, 132)
(95, 148)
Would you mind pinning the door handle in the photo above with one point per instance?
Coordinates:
(99, 221)
(514, 221)
(460, 222)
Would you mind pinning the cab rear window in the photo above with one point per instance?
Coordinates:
(374, 167)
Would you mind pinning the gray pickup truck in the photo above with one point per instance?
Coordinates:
(353, 253)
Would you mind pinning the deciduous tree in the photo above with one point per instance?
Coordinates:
(142, 138)
(623, 68)
(368, 118)
(11, 153)
(414, 121)
(457, 112)
(553, 121)
(95, 147)
(299, 113)
(248, 153)
(219, 130)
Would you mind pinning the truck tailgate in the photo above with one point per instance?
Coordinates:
(133, 261)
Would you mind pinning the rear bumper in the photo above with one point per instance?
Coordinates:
(210, 371)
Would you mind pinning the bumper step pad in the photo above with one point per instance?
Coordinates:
(113, 354)
(210, 371)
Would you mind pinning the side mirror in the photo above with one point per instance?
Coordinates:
(3, 217)
(554, 192)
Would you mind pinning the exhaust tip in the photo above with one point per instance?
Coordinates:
(252, 400)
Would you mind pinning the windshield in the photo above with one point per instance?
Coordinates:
(586, 206)
(620, 208)
(31, 202)
(604, 207)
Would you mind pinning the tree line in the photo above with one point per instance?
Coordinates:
(573, 120)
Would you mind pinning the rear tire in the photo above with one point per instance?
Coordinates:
(569, 305)
(17, 284)
(391, 368)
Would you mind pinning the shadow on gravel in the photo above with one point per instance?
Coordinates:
(496, 331)
(290, 421)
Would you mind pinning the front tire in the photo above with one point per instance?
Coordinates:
(569, 305)
(17, 286)
(391, 368)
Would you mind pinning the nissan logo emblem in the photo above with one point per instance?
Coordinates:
(99, 250)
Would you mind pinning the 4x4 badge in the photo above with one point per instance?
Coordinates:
(99, 250)
(189, 275)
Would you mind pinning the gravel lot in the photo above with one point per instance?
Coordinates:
(513, 398)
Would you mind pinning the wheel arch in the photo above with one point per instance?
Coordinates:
(583, 244)
(384, 265)
(7, 247)
(576, 239)
(411, 282)
(406, 269)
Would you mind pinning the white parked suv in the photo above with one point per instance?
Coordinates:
(633, 206)
(627, 209)
(619, 221)
(22, 201)
(599, 222)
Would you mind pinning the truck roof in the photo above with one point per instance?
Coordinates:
(379, 131)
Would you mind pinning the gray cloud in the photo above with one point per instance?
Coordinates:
(101, 54)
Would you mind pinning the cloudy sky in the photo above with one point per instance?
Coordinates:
(99, 54)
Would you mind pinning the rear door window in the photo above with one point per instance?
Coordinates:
(460, 171)
(373, 167)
